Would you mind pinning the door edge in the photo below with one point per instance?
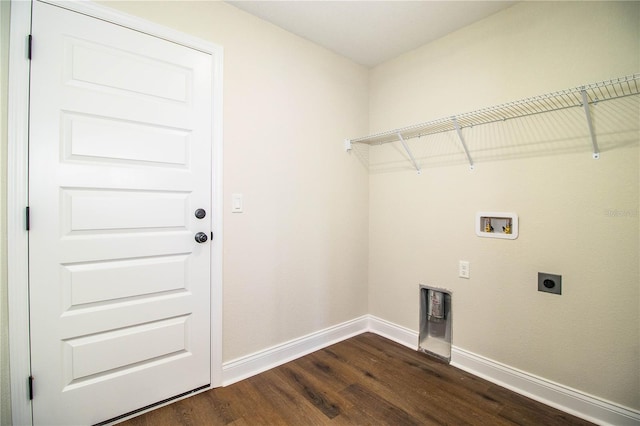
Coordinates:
(17, 200)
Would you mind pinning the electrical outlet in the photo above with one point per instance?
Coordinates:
(549, 283)
(463, 269)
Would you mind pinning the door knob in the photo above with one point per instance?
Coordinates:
(201, 237)
(200, 213)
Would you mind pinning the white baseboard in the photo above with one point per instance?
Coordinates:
(549, 393)
(391, 331)
(569, 400)
(250, 365)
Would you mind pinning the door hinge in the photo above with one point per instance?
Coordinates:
(29, 45)
(27, 217)
(30, 388)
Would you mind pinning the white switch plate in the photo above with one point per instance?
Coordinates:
(236, 203)
(463, 269)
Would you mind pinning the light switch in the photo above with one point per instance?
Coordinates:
(236, 203)
(463, 269)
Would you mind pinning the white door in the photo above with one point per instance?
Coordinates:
(120, 160)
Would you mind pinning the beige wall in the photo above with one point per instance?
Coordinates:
(295, 261)
(422, 225)
(5, 403)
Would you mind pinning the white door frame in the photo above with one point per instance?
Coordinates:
(18, 190)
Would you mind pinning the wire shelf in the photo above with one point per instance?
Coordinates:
(564, 99)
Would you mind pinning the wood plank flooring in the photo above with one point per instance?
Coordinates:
(366, 380)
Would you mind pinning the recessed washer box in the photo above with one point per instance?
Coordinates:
(497, 225)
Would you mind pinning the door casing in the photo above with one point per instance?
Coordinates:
(18, 190)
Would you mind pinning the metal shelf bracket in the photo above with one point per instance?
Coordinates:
(347, 145)
(464, 145)
(406, 148)
(587, 112)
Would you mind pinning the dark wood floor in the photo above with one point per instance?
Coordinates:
(366, 380)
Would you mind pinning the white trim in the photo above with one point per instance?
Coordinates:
(549, 393)
(261, 361)
(217, 206)
(87, 7)
(256, 363)
(569, 400)
(17, 187)
(391, 331)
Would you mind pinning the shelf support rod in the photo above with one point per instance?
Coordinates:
(587, 112)
(464, 145)
(406, 148)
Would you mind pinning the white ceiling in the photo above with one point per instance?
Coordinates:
(371, 32)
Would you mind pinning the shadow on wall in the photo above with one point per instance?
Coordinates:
(616, 124)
